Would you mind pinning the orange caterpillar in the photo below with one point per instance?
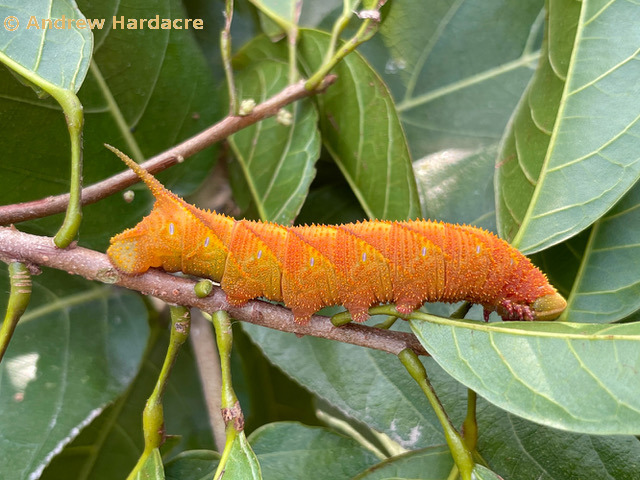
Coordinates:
(357, 265)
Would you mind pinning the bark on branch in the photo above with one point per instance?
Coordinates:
(41, 251)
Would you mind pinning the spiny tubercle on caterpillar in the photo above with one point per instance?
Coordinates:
(357, 265)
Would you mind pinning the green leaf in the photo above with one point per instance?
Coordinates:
(361, 159)
(75, 350)
(434, 463)
(455, 79)
(110, 446)
(370, 386)
(521, 450)
(570, 376)
(277, 161)
(192, 465)
(56, 51)
(607, 287)
(370, 149)
(242, 463)
(152, 468)
(579, 122)
(290, 451)
(456, 186)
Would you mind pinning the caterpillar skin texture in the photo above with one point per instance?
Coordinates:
(357, 265)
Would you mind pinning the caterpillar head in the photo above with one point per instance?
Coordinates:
(548, 307)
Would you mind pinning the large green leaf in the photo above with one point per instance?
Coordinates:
(110, 446)
(521, 450)
(574, 377)
(607, 286)
(349, 130)
(75, 350)
(276, 160)
(370, 386)
(458, 68)
(362, 131)
(42, 38)
(146, 91)
(289, 451)
(570, 156)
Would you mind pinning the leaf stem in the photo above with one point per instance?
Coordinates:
(342, 318)
(153, 414)
(73, 114)
(459, 450)
(470, 424)
(231, 412)
(74, 117)
(339, 25)
(225, 49)
(365, 32)
(19, 296)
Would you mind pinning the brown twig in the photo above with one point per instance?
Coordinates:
(21, 212)
(19, 246)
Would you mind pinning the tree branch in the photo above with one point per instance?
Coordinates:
(231, 124)
(41, 251)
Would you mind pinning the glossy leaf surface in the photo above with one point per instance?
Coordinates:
(568, 376)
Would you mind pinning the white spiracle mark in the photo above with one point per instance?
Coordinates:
(206, 242)
(312, 261)
(259, 253)
(172, 229)
(424, 251)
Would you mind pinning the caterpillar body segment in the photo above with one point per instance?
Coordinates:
(356, 265)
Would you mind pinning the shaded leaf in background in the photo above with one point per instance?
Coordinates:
(456, 186)
(521, 450)
(370, 149)
(574, 377)
(561, 171)
(289, 451)
(277, 161)
(367, 385)
(265, 393)
(110, 446)
(192, 465)
(355, 145)
(562, 262)
(607, 286)
(75, 350)
(457, 69)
